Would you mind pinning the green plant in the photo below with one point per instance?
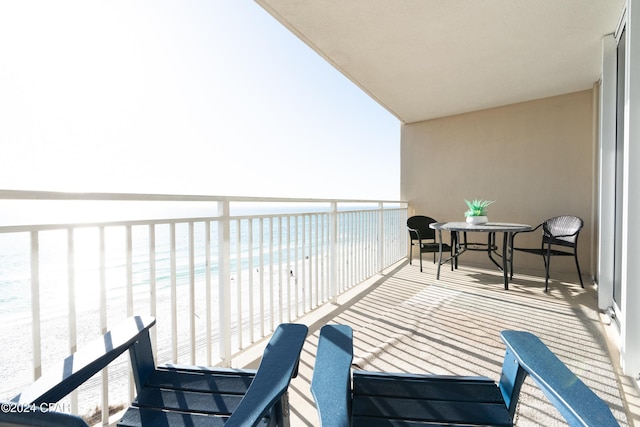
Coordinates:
(477, 207)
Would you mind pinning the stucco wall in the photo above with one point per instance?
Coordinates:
(535, 159)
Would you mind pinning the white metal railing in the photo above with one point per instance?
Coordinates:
(218, 273)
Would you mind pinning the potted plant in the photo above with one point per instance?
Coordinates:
(477, 212)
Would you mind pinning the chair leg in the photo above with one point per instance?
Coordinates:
(547, 263)
(420, 260)
(575, 253)
(440, 255)
(453, 239)
(455, 248)
(511, 257)
(410, 253)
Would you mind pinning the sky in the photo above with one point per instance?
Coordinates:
(210, 97)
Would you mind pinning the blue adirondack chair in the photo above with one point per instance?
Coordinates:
(169, 395)
(344, 398)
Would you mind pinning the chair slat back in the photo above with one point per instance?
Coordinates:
(331, 383)
(278, 365)
(562, 230)
(418, 226)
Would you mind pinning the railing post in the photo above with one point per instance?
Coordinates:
(224, 280)
(333, 252)
(129, 266)
(174, 292)
(35, 305)
(129, 269)
(192, 294)
(71, 301)
(381, 241)
(153, 282)
(207, 245)
(103, 319)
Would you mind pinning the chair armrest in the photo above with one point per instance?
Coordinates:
(513, 235)
(331, 383)
(65, 377)
(528, 231)
(577, 403)
(415, 230)
(278, 365)
(13, 413)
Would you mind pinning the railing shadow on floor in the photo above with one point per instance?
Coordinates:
(406, 321)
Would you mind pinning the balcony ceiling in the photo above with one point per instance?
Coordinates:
(423, 59)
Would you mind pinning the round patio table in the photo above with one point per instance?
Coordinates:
(506, 228)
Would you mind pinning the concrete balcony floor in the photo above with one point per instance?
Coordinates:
(406, 321)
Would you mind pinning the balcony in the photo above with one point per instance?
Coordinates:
(220, 273)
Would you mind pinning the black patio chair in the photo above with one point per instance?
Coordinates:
(560, 231)
(424, 237)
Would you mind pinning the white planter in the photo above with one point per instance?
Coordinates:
(475, 220)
